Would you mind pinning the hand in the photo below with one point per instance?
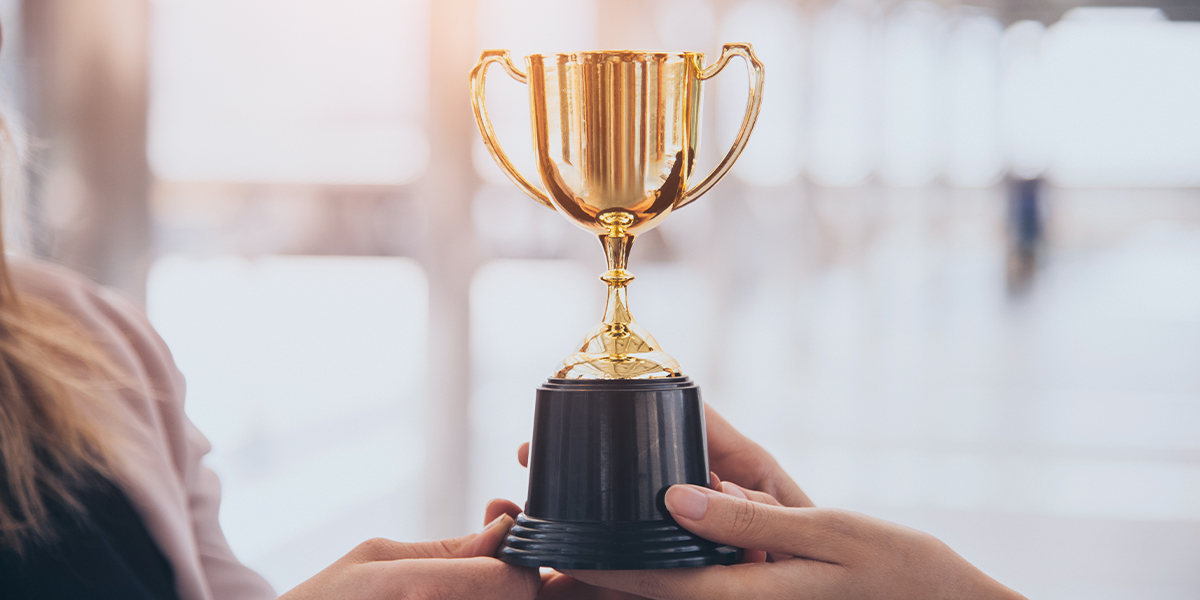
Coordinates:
(731, 455)
(556, 586)
(817, 553)
(735, 457)
(458, 568)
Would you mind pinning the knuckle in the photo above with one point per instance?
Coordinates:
(373, 549)
(444, 548)
(746, 519)
(651, 585)
(839, 523)
(762, 497)
(915, 546)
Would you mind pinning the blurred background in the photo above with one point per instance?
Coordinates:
(954, 281)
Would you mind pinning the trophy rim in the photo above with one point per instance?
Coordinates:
(606, 55)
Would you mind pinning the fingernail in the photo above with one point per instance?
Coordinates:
(687, 502)
(733, 490)
(502, 521)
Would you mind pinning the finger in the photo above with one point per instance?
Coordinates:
(562, 587)
(749, 555)
(498, 507)
(736, 457)
(669, 584)
(475, 578)
(487, 542)
(714, 482)
(483, 543)
(523, 454)
(793, 579)
(796, 578)
(753, 556)
(820, 534)
(738, 491)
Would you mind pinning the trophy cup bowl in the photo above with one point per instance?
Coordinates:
(615, 135)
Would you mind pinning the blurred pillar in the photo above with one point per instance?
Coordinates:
(450, 259)
(87, 95)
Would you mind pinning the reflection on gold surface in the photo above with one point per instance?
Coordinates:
(615, 136)
(618, 348)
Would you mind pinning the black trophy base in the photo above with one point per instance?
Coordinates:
(610, 546)
(603, 454)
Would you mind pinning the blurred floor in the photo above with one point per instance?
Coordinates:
(306, 374)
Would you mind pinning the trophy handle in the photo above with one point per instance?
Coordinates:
(478, 74)
(753, 103)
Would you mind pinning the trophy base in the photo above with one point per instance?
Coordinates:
(610, 546)
(603, 454)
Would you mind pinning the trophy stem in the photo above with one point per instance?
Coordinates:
(617, 317)
(617, 348)
(616, 311)
(616, 250)
(617, 243)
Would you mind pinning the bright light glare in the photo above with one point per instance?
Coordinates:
(1124, 88)
(844, 147)
(306, 375)
(312, 91)
(524, 27)
(775, 153)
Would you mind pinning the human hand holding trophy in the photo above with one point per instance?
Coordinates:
(615, 139)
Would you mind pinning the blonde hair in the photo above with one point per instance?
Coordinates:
(50, 369)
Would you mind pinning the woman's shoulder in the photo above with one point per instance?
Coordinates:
(113, 320)
(107, 315)
(67, 290)
(177, 497)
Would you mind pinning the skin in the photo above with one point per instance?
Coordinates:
(794, 549)
(457, 568)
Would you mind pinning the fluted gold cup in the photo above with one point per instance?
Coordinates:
(615, 135)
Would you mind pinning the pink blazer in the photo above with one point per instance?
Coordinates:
(176, 496)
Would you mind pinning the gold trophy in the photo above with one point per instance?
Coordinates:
(615, 136)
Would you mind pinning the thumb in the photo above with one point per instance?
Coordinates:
(523, 454)
(483, 543)
(813, 533)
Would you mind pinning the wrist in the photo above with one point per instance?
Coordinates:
(954, 577)
(984, 587)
